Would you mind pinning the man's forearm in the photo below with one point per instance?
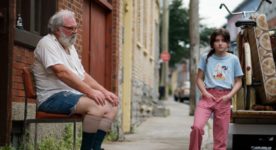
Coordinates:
(73, 81)
(93, 83)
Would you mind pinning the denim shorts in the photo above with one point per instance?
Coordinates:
(61, 103)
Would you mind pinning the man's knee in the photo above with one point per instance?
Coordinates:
(89, 106)
(110, 111)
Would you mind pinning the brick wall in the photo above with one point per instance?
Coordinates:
(22, 57)
(75, 6)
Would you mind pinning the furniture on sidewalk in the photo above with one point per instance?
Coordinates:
(43, 117)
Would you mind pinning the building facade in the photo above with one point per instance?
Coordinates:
(270, 12)
(251, 5)
(140, 56)
(118, 43)
(247, 5)
(98, 41)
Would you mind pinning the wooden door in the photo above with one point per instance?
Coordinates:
(96, 55)
(6, 44)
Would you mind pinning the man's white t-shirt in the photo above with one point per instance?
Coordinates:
(49, 52)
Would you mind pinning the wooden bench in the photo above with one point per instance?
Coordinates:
(43, 117)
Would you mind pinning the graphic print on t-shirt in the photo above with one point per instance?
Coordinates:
(220, 71)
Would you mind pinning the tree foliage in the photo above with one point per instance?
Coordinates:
(179, 32)
(205, 35)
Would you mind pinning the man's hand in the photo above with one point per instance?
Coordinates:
(97, 96)
(111, 97)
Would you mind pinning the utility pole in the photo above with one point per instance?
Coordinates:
(165, 47)
(194, 50)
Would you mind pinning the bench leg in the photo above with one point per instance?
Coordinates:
(25, 136)
(74, 136)
(35, 138)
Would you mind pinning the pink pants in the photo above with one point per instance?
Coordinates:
(221, 113)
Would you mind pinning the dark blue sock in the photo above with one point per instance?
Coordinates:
(99, 139)
(88, 140)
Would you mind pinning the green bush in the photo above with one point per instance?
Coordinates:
(66, 143)
(51, 142)
(111, 136)
(7, 148)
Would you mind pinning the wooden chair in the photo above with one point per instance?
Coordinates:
(43, 117)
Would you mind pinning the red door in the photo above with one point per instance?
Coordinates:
(97, 44)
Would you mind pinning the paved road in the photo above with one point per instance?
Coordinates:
(158, 133)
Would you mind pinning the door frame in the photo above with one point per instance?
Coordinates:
(127, 58)
(7, 20)
(108, 45)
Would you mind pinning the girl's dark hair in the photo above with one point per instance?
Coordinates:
(221, 31)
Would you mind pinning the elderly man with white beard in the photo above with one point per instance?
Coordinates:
(64, 87)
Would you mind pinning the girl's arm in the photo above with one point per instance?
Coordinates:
(200, 82)
(237, 85)
(201, 85)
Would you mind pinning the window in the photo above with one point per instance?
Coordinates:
(35, 14)
(145, 27)
(138, 20)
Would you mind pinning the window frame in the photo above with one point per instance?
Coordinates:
(35, 16)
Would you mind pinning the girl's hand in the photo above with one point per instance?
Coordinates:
(209, 96)
(224, 98)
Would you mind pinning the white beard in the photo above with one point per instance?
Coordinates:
(67, 41)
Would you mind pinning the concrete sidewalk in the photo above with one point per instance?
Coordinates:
(158, 133)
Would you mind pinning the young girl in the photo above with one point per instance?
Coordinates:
(218, 78)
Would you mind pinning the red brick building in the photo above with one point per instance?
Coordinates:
(97, 44)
